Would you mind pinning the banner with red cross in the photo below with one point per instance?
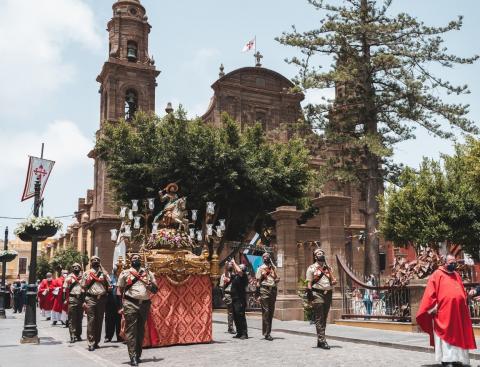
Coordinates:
(37, 168)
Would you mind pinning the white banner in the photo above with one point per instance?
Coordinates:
(37, 168)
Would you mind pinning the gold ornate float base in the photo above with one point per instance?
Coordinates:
(176, 265)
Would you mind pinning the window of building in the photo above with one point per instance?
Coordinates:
(260, 82)
(132, 51)
(131, 104)
(22, 265)
(261, 117)
(105, 107)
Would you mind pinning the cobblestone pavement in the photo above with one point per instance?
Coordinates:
(285, 350)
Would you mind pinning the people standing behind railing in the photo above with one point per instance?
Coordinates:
(368, 296)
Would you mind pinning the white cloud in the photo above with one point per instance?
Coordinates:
(64, 143)
(317, 96)
(34, 36)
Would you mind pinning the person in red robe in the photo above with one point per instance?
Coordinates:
(58, 313)
(444, 315)
(45, 295)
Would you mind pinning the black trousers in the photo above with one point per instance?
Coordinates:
(239, 306)
(112, 318)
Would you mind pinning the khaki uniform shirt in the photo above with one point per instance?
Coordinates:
(76, 289)
(314, 271)
(228, 288)
(267, 280)
(137, 290)
(97, 288)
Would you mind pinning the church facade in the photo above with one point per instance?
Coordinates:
(250, 94)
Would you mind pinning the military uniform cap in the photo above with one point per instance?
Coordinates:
(319, 252)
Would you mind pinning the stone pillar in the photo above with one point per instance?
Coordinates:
(289, 305)
(417, 288)
(332, 210)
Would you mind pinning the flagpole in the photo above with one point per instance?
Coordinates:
(255, 51)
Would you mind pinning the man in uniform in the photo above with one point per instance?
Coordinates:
(135, 284)
(226, 285)
(73, 294)
(319, 292)
(95, 283)
(267, 280)
(239, 299)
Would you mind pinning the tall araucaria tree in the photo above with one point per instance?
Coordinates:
(385, 64)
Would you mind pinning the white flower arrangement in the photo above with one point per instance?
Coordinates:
(8, 255)
(36, 223)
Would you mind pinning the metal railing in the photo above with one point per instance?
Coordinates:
(362, 300)
(391, 304)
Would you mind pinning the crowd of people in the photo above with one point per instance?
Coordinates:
(443, 312)
(16, 295)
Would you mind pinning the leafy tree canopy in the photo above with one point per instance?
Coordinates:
(439, 202)
(243, 173)
(65, 258)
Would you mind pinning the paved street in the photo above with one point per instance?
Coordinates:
(286, 350)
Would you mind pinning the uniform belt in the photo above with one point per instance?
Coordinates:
(227, 292)
(321, 291)
(95, 296)
(136, 301)
(75, 295)
(268, 286)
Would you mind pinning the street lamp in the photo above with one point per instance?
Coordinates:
(3, 292)
(30, 331)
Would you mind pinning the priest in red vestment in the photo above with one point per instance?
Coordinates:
(58, 312)
(45, 296)
(444, 314)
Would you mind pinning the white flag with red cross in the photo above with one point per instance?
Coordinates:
(38, 168)
(250, 45)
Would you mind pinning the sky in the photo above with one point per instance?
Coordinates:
(52, 51)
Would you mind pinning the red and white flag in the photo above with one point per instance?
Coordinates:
(250, 45)
(37, 168)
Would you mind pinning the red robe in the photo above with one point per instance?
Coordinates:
(452, 321)
(46, 302)
(58, 302)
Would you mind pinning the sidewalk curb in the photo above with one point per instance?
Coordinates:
(411, 348)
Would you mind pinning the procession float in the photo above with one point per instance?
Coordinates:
(175, 247)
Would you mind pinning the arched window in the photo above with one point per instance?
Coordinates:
(132, 51)
(105, 107)
(131, 104)
(261, 117)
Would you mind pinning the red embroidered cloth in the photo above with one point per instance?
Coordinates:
(180, 314)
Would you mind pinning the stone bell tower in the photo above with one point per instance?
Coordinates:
(127, 84)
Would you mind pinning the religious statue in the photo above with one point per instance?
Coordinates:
(174, 211)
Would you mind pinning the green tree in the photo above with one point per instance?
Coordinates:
(439, 202)
(417, 213)
(43, 267)
(243, 173)
(385, 62)
(65, 258)
(462, 171)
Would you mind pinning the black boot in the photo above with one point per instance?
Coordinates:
(268, 337)
(323, 345)
(133, 361)
(72, 339)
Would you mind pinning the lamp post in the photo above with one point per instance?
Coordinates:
(3, 292)
(30, 331)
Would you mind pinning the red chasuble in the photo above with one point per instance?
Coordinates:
(452, 322)
(46, 302)
(58, 303)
